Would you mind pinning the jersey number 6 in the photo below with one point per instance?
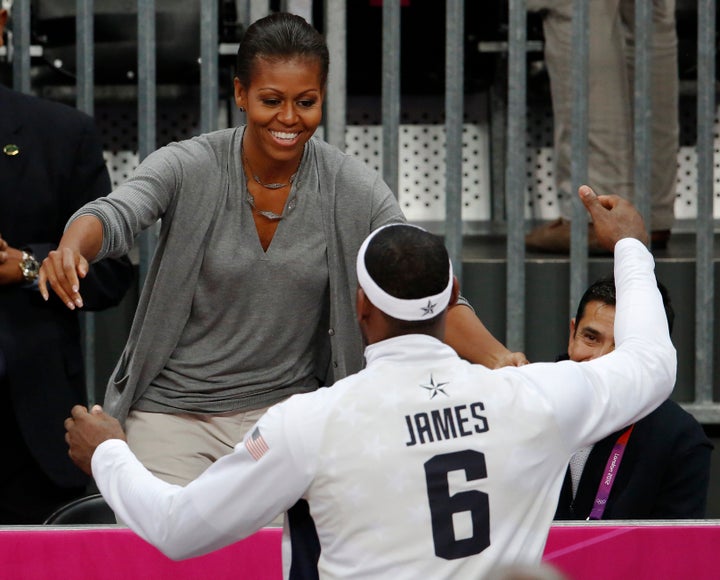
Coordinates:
(443, 505)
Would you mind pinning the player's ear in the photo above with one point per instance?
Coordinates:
(363, 306)
(455, 291)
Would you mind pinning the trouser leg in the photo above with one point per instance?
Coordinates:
(177, 448)
(664, 123)
(610, 165)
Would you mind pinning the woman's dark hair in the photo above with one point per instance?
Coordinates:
(280, 36)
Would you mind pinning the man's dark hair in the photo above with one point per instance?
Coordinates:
(603, 290)
(280, 36)
(410, 263)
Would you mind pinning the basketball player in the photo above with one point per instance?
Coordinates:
(421, 465)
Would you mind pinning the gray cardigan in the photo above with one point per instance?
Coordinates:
(185, 185)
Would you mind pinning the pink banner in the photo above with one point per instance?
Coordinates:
(103, 553)
(646, 551)
(582, 552)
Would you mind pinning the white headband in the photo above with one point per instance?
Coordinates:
(401, 308)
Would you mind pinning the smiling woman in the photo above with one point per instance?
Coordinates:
(250, 295)
(283, 104)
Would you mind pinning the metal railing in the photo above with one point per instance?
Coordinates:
(703, 405)
(704, 408)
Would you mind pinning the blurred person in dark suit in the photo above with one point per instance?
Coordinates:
(51, 163)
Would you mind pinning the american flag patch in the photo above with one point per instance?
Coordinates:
(256, 445)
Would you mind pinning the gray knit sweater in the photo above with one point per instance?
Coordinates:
(185, 185)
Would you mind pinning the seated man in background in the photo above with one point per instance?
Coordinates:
(422, 465)
(661, 464)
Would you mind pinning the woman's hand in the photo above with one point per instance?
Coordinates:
(511, 359)
(63, 269)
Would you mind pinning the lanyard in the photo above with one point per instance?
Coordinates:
(608, 478)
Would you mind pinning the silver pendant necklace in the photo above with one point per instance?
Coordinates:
(250, 198)
(271, 215)
(273, 185)
(260, 181)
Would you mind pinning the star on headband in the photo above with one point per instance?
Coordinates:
(429, 309)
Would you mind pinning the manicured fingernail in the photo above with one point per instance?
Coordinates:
(75, 288)
(79, 302)
(70, 305)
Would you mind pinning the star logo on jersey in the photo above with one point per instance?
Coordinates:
(435, 388)
(429, 309)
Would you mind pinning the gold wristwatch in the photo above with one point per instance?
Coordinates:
(29, 267)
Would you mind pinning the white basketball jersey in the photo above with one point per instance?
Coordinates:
(422, 465)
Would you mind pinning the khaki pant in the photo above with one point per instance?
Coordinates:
(611, 62)
(177, 448)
